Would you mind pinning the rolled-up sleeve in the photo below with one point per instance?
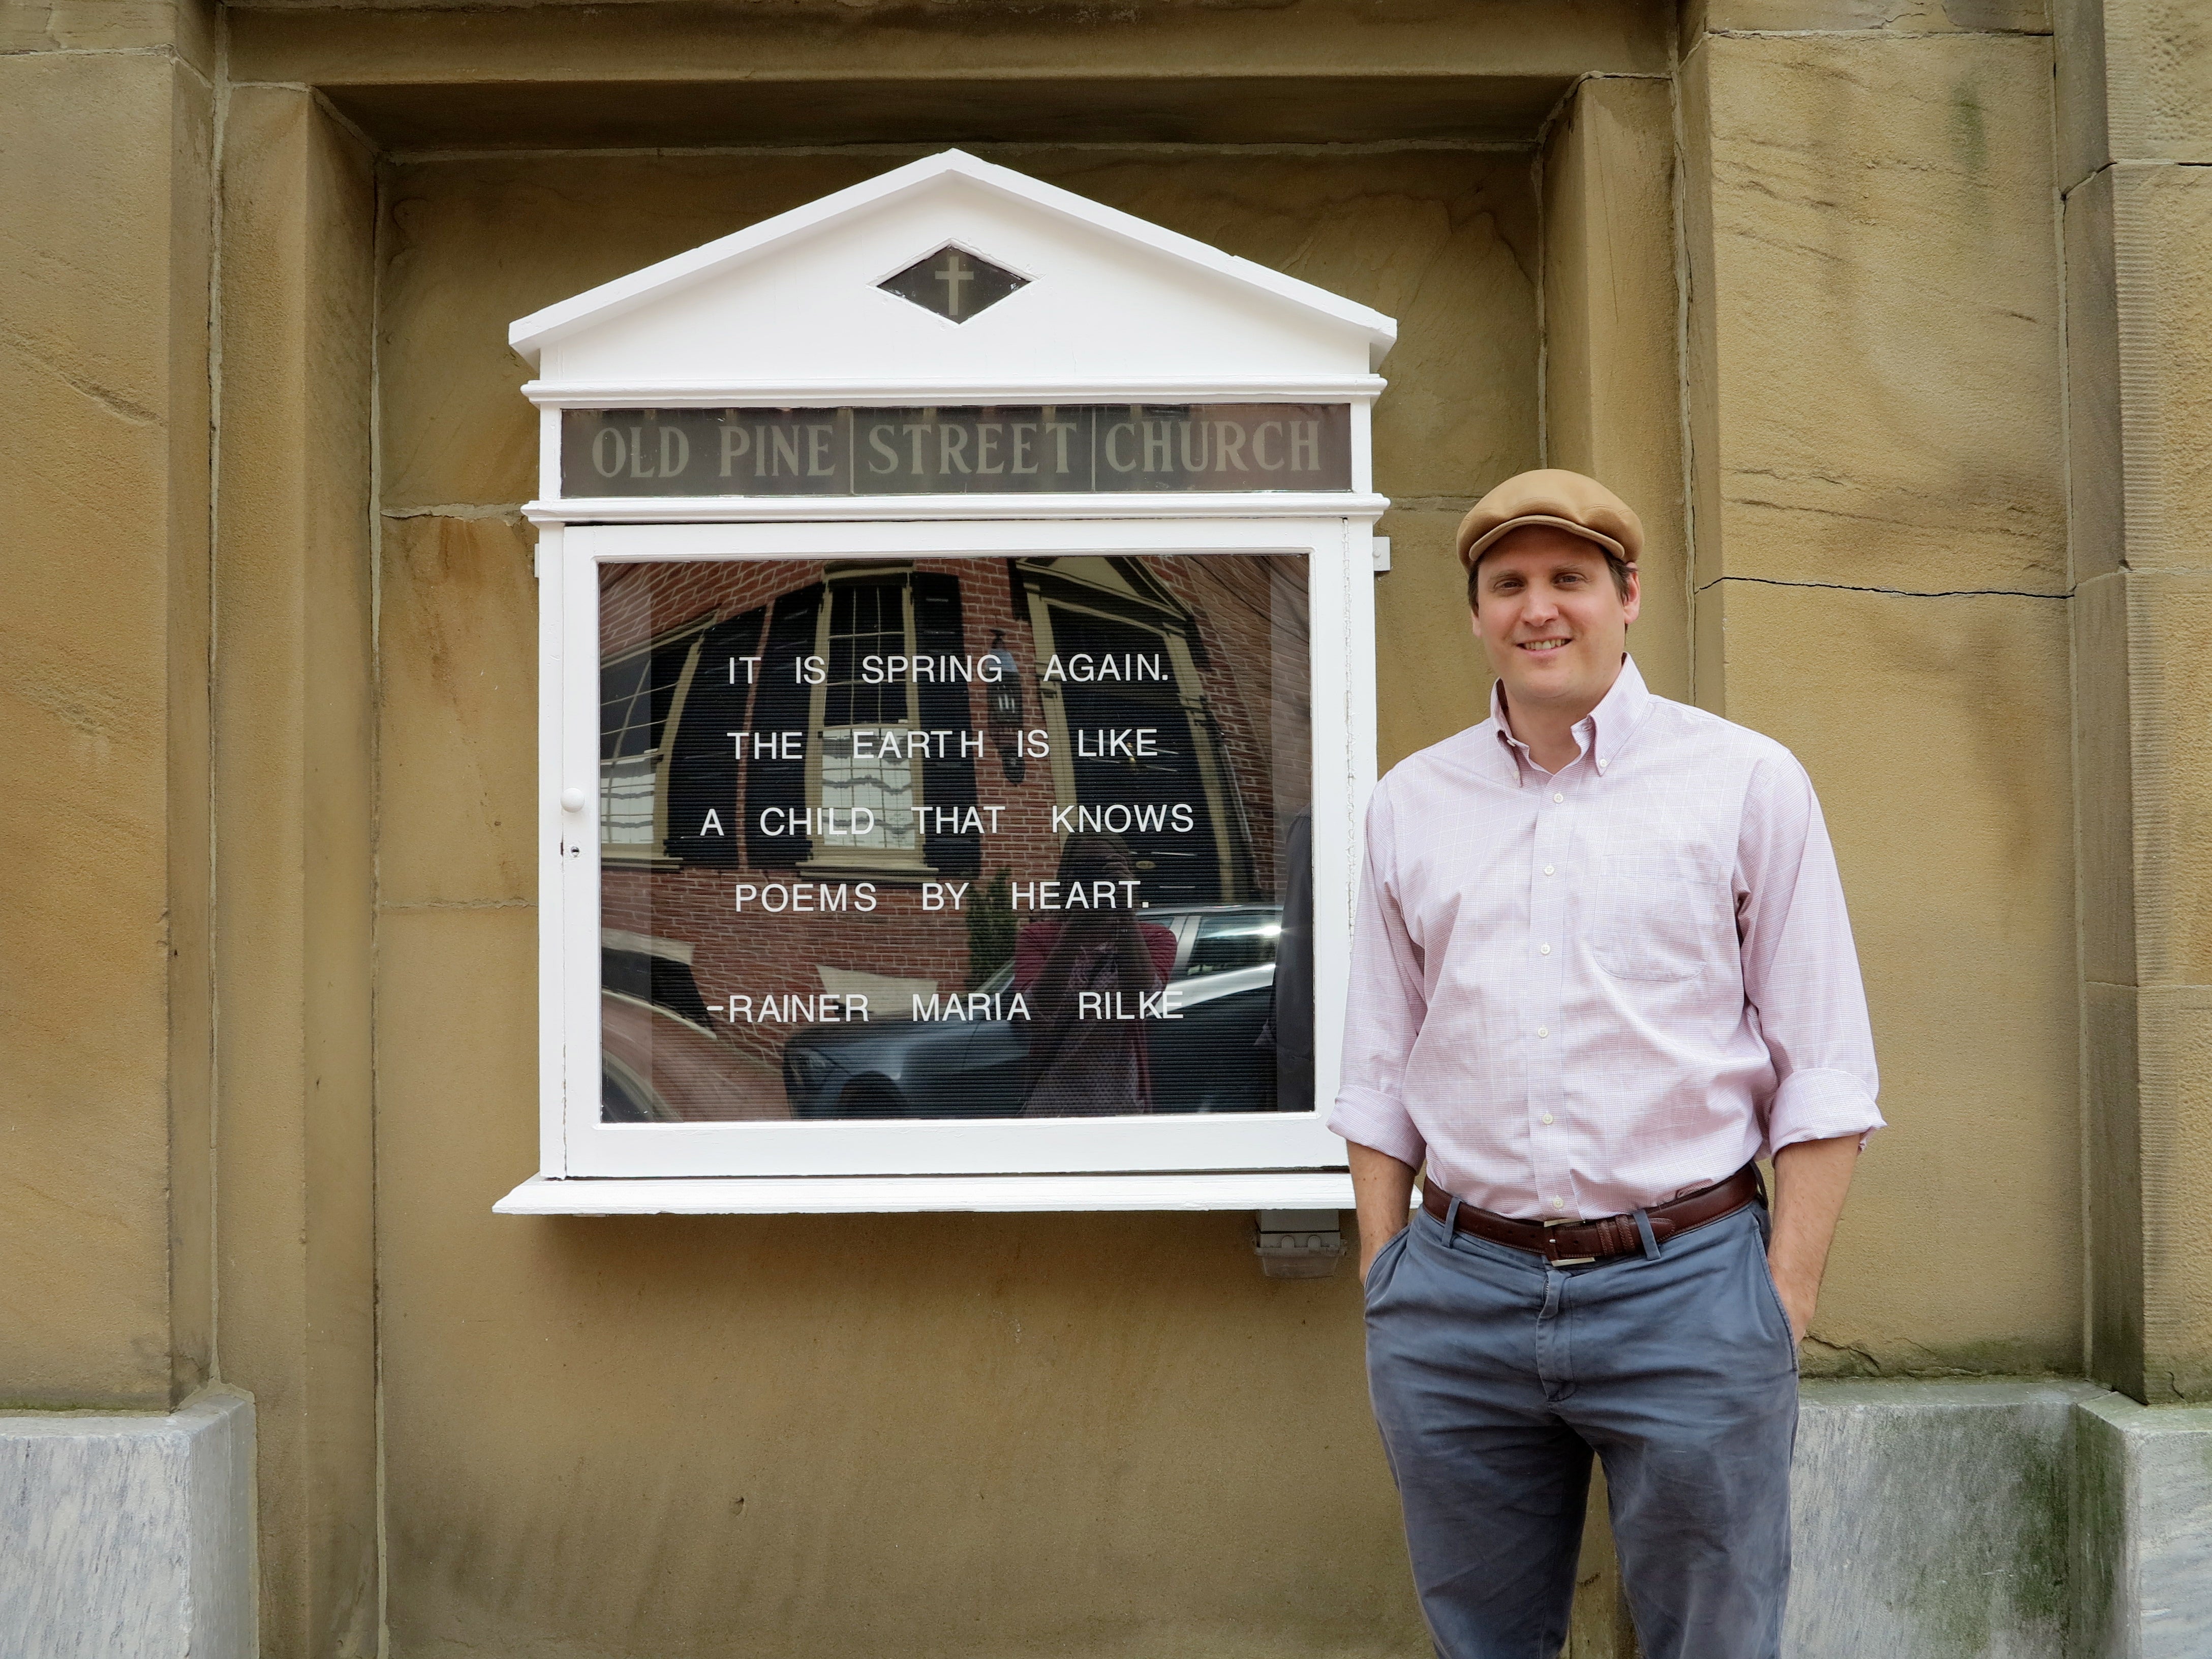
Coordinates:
(1383, 1007)
(1801, 970)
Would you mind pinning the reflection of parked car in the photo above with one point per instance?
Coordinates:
(661, 1059)
(1211, 1060)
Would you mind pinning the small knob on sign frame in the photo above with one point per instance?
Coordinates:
(572, 800)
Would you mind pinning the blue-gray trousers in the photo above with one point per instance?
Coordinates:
(1495, 1376)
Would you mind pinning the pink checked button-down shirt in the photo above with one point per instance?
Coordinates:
(1577, 993)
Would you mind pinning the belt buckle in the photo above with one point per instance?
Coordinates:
(1566, 1261)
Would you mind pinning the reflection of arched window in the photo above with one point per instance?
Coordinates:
(668, 769)
(1117, 654)
(889, 755)
(642, 696)
(866, 724)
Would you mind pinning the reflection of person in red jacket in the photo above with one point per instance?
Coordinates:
(1088, 1062)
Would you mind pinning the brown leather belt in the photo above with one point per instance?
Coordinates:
(1571, 1243)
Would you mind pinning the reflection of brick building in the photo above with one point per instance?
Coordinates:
(1207, 655)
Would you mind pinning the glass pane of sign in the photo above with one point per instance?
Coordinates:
(955, 838)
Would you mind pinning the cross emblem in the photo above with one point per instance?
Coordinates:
(954, 283)
(953, 272)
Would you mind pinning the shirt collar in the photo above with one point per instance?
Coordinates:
(1601, 731)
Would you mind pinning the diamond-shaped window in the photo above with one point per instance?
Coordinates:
(954, 283)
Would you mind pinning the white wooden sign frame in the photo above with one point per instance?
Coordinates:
(1256, 1161)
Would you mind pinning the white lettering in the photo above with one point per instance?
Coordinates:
(1108, 743)
(736, 441)
(875, 442)
(1121, 1005)
(777, 897)
(976, 1004)
(769, 745)
(1073, 895)
(794, 1007)
(1085, 669)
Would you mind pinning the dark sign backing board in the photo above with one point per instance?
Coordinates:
(1049, 449)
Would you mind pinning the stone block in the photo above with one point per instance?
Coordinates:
(2104, 763)
(129, 1537)
(823, 71)
(2096, 526)
(456, 737)
(1885, 310)
(1434, 679)
(1937, 732)
(2162, 225)
(186, 26)
(294, 823)
(2078, 38)
(2169, 657)
(2143, 1540)
(1930, 1520)
(2158, 80)
(2173, 1037)
(1612, 404)
(103, 280)
(1899, 16)
(2112, 1145)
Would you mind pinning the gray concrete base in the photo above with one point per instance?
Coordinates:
(2143, 1556)
(1999, 1521)
(1932, 1520)
(127, 1537)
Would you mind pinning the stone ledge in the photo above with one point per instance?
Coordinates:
(1931, 1520)
(1999, 1520)
(2142, 1539)
(129, 1537)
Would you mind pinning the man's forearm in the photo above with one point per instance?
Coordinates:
(1811, 1178)
(1383, 1187)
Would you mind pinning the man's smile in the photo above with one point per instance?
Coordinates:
(1543, 645)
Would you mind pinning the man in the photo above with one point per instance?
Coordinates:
(1601, 965)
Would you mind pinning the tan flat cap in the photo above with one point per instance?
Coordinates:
(1555, 497)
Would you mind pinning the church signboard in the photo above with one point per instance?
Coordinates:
(955, 708)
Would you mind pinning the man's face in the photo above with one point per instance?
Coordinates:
(1550, 618)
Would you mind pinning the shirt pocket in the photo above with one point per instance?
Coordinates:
(1659, 916)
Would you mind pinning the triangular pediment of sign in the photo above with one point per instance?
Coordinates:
(949, 273)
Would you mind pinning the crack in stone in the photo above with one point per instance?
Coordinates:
(1898, 593)
(457, 904)
(122, 408)
(455, 510)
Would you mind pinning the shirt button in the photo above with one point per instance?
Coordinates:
(1558, 1203)
(1547, 869)
(1556, 795)
(1543, 950)
(1548, 1117)
(1544, 1030)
